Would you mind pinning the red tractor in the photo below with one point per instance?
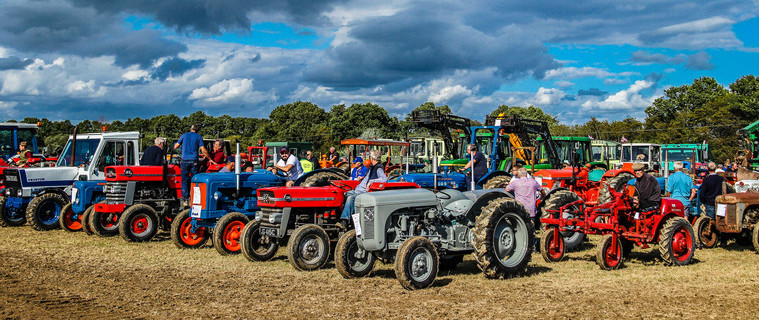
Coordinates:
(139, 200)
(621, 228)
(302, 218)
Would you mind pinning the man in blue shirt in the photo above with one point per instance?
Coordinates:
(359, 170)
(680, 186)
(191, 142)
(477, 162)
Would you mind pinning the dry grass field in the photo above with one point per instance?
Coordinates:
(52, 275)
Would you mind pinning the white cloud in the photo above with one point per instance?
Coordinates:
(563, 84)
(449, 93)
(628, 99)
(133, 75)
(223, 91)
(547, 97)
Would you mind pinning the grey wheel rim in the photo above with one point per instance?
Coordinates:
(420, 264)
(510, 240)
(358, 261)
(311, 249)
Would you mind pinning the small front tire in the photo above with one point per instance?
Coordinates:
(308, 248)
(254, 245)
(182, 234)
(227, 233)
(416, 263)
(348, 261)
(138, 223)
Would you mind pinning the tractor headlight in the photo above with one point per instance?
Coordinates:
(275, 217)
(19, 192)
(369, 214)
(216, 195)
(8, 192)
(258, 217)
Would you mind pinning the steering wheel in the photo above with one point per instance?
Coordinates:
(442, 195)
(341, 185)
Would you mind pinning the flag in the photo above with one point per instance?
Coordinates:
(590, 137)
(624, 140)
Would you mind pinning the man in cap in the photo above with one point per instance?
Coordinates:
(359, 170)
(649, 193)
(288, 166)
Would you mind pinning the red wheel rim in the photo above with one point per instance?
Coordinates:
(555, 248)
(612, 257)
(682, 244)
(231, 235)
(188, 237)
(140, 224)
(70, 222)
(109, 221)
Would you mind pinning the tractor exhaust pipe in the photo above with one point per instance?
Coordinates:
(237, 169)
(73, 146)
(434, 169)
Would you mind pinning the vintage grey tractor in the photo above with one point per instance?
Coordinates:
(422, 231)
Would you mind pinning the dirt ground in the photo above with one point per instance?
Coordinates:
(56, 274)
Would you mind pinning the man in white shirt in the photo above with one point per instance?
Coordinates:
(288, 166)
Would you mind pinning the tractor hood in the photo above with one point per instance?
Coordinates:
(22, 182)
(301, 197)
(140, 173)
(444, 180)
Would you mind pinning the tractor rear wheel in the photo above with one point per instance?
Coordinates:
(499, 182)
(44, 211)
(105, 224)
(677, 242)
(254, 245)
(608, 257)
(69, 220)
(706, 232)
(503, 238)
(10, 219)
(182, 235)
(322, 179)
(617, 182)
(308, 248)
(416, 263)
(554, 202)
(345, 167)
(226, 233)
(86, 218)
(550, 249)
(755, 238)
(351, 263)
(139, 223)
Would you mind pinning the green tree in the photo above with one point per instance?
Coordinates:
(351, 122)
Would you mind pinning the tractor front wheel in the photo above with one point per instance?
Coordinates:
(104, 224)
(677, 242)
(44, 211)
(706, 232)
(308, 248)
(227, 233)
(552, 203)
(69, 220)
(86, 218)
(608, 254)
(9, 218)
(139, 223)
(503, 238)
(254, 245)
(182, 234)
(350, 261)
(416, 263)
(551, 249)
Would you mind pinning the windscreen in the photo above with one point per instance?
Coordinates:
(85, 148)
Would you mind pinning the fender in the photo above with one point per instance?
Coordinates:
(304, 176)
(53, 190)
(483, 197)
(541, 203)
(88, 192)
(491, 175)
(660, 222)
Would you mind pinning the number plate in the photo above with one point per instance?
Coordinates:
(721, 210)
(74, 191)
(356, 223)
(269, 232)
(195, 212)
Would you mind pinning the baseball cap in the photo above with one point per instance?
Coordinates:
(358, 159)
(283, 149)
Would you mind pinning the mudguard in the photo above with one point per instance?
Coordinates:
(305, 176)
(491, 175)
(481, 199)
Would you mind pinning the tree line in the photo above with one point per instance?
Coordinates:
(692, 113)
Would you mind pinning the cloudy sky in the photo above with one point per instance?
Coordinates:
(113, 60)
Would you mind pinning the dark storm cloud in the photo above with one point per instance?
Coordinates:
(421, 44)
(175, 67)
(591, 92)
(54, 27)
(697, 61)
(214, 16)
(13, 62)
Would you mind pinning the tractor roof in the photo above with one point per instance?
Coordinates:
(374, 142)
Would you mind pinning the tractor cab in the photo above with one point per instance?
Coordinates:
(605, 152)
(692, 155)
(394, 153)
(647, 153)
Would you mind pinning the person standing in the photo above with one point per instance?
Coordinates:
(477, 162)
(680, 186)
(190, 142)
(710, 188)
(525, 191)
(153, 155)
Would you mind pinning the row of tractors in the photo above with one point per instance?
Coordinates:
(423, 220)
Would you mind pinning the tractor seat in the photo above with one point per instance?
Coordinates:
(650, 210)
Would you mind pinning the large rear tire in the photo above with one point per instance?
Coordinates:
(617, 182)
(104, 224)
(182, 235)
(322, 179)
(308, 248)
(556, 200)
(416, 263)
(503, 239)
(677, 243)
(70, 221)
(499, 182)
(138, 223)
(348, 261)
(706, 232)
(227, 233)
(44, 211)
(606, 256)
(257, 247)
(755, 238)
(8, 219)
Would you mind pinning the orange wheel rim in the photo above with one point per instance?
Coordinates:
(70, 222)
(188, 237)
(231, 235)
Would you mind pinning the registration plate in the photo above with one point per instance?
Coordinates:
(195, 212)
(269, 232)
(357, 223)
(74, 191)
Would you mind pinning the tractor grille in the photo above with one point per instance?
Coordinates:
(731, 216)
(368, 228)
(115, 192)
(265, 213)
(12, 179)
